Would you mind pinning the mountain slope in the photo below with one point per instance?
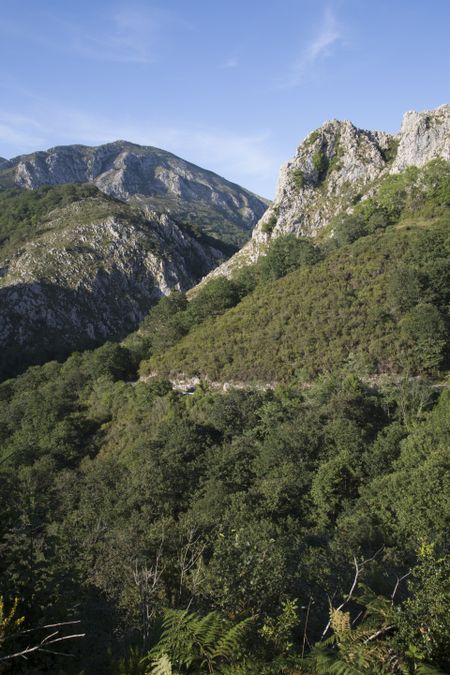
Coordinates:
(78, 268)
(378, 303)
(149, 177)
(335, 167)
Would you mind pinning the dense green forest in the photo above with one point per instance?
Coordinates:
(121, 501)
(298, 526)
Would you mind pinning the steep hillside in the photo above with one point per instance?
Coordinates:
(378, 303)
(78, 267)
(149, 177)
(335, 167)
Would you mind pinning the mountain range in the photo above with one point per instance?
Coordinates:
(91, 237)
(147, 177)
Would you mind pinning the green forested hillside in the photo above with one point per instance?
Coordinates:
(376, 295)
(301, 529)
(379, 303)
(121, 502)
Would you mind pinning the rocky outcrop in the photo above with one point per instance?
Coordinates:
(149, 176)
(88, 278)
(423, 136)
(336, 165)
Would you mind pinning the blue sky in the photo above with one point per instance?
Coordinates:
(232, 86)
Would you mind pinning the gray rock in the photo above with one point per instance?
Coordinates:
(335, 164)
(148, 176)
(85, 280)
(423, 136)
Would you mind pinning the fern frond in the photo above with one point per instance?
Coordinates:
(326, 663)
(189, 638)
(162, 666)
(230, 643)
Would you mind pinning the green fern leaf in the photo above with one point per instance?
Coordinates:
(230, 642)
(162, 666)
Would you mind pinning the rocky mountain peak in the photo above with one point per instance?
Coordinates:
(334, 166)
(337, 161)
(332, 161)
(423, 136)
(149, 176)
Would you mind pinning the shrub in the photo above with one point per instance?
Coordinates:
(286, 254)
(320, 163)
(298, 178)
(423, 330)
(269, 224)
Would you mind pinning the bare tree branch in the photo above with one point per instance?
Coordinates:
(43, 644)
(378, 633)
(358, 567)
(306, 627)
(148, 579)
(398, 582)
(45, 627)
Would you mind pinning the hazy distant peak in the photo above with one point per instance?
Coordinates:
(155, 178)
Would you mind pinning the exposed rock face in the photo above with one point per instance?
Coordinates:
(88, 278)
(90, 271)
(332, 162)
(150, 176)
(335, 164)
(423, 137)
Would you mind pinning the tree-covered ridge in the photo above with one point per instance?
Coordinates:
(375, 295)
(23, 213)
(27, 214)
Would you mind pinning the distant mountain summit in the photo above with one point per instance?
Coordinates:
(90, 238)
(146, 176)
(336, 166)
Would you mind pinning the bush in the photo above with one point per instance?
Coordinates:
(213, 299)
(320, 163)
(423, 330)
(286, 254)
(298, 178)
(269, 224)
(163, 325)
(112, 360)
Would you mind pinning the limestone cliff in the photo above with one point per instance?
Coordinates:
(336, 165)
(147, 176)
(89, 272)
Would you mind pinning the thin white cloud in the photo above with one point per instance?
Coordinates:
(248, 159)
(125, 33)
(18, 130)
(320, 46)
(128, 35)
(232, 62)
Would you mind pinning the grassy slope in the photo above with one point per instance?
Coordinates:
(316, 318)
